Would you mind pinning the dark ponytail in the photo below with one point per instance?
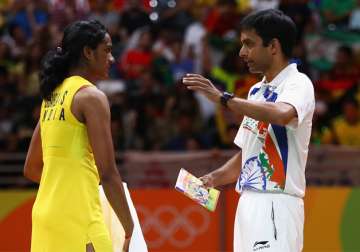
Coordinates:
(57, 63)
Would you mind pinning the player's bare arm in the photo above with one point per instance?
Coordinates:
(34, 163)
(277, 113)
(226, 174)
(94, 107)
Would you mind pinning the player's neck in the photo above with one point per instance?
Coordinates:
(275, 69)
(83, 72)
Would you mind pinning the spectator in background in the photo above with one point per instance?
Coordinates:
(345, 129)
(134, 61)
(345, 67)
(162, 45)
(336, 12)
(342, 76)
(16, 40)
(134, 16)
(180, 65)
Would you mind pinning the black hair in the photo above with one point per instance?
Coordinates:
(270, 24)
(56, 64)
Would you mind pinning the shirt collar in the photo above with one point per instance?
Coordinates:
(280, 76)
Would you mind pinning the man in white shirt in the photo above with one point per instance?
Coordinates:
(274, 137)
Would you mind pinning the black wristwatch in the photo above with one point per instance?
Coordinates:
(225, 97)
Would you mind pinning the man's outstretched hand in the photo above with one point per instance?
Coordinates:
(199, 83)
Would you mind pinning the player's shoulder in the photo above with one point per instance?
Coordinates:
(90, 95)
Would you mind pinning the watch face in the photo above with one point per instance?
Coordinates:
(225, 97)
(228, 95)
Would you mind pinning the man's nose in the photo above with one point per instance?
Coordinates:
(242, 52)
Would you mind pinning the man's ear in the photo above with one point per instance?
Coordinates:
(275, 46)
(88, 53)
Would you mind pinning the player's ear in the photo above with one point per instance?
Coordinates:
(88, 53)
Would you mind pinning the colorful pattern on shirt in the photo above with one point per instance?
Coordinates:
(267, 170)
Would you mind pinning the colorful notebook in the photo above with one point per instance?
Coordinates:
(193, 188)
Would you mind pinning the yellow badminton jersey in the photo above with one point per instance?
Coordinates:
(67, 212)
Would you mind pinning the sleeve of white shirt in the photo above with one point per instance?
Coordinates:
(300, 94)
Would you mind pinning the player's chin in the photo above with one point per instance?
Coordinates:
(105, 75)
(254, 70)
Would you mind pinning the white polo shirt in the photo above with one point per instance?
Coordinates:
(273, 156)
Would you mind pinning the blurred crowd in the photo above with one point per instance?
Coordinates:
(156, 42)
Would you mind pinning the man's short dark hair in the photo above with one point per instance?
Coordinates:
(270, 24)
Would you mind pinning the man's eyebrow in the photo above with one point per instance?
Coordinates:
(246, 40)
